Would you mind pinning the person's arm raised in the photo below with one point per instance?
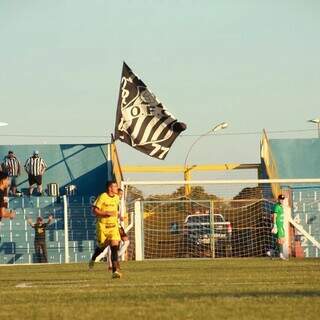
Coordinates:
(30, 222)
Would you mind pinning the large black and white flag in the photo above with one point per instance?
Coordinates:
(142, 121)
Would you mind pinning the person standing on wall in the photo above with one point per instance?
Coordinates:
(35, 168)
(11, 166)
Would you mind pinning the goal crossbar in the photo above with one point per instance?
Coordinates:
(247, 181)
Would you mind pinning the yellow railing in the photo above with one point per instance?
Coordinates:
(116, 163)
(270, 163)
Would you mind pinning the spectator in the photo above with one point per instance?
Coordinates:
(4, 184)
(40, 246)
(35, 167)
(11, 166)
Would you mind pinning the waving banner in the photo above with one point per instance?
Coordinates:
(142, 121)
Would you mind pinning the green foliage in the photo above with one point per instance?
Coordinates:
(197, 193)
(174, 203)
(133, 193)
(250, 193)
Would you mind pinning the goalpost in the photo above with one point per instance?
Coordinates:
(219, 218)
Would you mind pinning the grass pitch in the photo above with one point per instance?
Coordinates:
(177, 289)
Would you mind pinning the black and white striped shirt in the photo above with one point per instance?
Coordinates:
(35, 166)
(11, 166)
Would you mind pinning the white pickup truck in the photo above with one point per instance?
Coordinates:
(199, 231)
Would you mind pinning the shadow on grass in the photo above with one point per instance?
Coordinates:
(182, 295)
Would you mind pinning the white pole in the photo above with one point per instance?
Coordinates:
(212, 240)
(109, 165)
(138, 227)
(66, 229)
(122, 201)
(287, 216)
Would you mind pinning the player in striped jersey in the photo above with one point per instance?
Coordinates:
(11, 166)
(35, 167)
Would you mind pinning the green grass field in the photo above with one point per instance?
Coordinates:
(177, 289)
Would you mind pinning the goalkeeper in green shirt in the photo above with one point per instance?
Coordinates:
(278, 224)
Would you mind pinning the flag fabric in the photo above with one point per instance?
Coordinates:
(142, 121)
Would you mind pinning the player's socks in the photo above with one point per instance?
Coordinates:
(103, 254)
(114, 257)
(97, 252)
(281, 255)
(109, 260)
(123, 248)
(280, 250)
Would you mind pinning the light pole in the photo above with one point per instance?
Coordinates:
(187, 170)
(317, 122)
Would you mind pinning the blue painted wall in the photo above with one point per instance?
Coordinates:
(84, 165)
(297, 158)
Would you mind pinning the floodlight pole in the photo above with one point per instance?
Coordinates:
(187, 174)
(317, 122)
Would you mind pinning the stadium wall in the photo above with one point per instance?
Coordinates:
(295, 159)
(88, 166)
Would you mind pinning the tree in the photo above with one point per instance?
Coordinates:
(132, 193)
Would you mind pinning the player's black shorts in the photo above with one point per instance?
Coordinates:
(122, 232)
(34, 180)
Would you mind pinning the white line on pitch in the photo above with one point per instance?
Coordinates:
(24, 285)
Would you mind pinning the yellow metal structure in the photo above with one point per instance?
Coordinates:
(178, 168)
(270, 163)
(117, 170)
(266, 155)
(187, 170)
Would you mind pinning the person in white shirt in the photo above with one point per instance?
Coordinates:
(35, 168)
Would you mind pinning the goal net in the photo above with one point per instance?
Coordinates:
(213, 219)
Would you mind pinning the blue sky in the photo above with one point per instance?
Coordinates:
(254, 64)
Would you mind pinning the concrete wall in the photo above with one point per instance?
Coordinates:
(84, 165)
(296, 158)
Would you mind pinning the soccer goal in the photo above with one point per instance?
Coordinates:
(221, 218)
